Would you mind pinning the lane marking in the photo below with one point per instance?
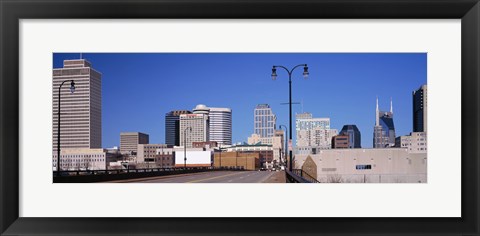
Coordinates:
(216, 177)
(140, 180)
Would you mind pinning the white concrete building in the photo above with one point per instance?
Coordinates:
(196, 157)
(379, 165)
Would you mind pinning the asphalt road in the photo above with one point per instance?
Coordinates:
(210, 177)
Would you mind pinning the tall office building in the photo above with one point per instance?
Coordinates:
(354, 137)
(200, 129)
(172, 127)
(220, 125)
(313, 132)
(384, 130)
(264, 121)
(129, 141)
(420, 109)
(81, 111)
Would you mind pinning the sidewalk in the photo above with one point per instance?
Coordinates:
(278, 177)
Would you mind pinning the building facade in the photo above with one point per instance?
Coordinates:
(249, 161)
(83, 159)
(209, 144)
(81, 111)
(416, 142)
(165, 158)
(341, 141)
(129, 141)
(264, 121)
(265, 152)
(172, 127)
(354, 137)
(220, 125)
(313, 132)
(199, 129)
(276, 141)
(361, 165)
(196, 157)
(148, 152)
(384, 129)
(420, 109)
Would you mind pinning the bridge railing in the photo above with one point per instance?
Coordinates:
(88, 176)
(122, 171)
(299, 176)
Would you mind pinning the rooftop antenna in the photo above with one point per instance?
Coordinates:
(377, 118)
(391, 105)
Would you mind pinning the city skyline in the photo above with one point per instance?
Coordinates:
(342, 87)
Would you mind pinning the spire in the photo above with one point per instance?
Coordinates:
(391, 105)
(377, 118)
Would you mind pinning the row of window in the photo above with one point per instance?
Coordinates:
(79, 160)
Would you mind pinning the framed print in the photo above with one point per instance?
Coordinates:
(159, 117)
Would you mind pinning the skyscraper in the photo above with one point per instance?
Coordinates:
(354, 137)
(81, 111)
(264, 121)
(172, 127)
(384, 130)
(420, 109)
(220, 125)
(200, 129)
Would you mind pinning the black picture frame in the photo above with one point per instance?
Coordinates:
(12, 11)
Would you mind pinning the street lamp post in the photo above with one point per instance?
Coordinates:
(286, 134)
(185, 146)
(72, 90)
(220, 148)
(274, 77)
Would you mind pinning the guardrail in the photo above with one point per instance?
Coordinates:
(299, 176)
(89, 176)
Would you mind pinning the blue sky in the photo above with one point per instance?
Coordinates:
(139, 88)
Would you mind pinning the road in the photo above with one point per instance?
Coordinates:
(214, 177)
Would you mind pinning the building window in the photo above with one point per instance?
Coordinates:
(363, 167)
